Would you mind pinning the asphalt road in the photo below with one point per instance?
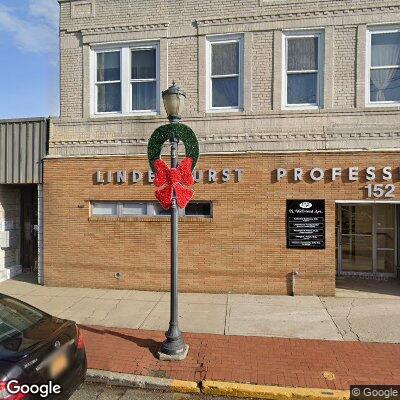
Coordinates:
(100, 392)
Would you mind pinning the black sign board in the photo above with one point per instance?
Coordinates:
(305, 221)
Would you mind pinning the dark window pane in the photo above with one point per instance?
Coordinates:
(108, 66)
(199, 209)
(159, 211)
(109, 97)
(15, 319)
(357, 219)
(144, 64)
(225, 92)
(385, 84)
(225, 58)
(302, 54)
(144, 96)
(302, 88)
(385, 49)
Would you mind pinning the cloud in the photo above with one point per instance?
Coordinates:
(33, 28)
(46, 9)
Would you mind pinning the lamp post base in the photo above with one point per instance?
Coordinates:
(176, 356)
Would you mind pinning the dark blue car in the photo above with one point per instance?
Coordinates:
(41, 356)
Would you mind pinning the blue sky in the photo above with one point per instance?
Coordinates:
(29, 67)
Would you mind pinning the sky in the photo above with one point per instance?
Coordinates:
(29, 65)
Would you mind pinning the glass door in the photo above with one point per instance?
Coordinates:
(367, 239)
(356, 238)
(385, 217)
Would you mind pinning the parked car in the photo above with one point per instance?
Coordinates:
(37, 351)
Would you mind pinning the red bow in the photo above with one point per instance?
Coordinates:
(174, 178)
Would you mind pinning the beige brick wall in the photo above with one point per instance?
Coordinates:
(345, 67)
(181, 28)
(262, 71)
(242, 249)
(71, 74)
(183, 63)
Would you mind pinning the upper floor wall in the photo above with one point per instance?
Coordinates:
(292, 74)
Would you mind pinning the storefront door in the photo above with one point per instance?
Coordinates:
(367, 239)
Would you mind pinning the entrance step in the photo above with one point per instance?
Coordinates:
(10, 272)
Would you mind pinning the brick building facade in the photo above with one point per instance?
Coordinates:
(300, 97)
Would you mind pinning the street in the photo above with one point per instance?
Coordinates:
(101, 392)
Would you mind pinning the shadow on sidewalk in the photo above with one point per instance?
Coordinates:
(149, 344)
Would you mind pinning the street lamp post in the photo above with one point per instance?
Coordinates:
(174, 347)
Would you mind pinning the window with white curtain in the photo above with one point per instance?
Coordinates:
(224, 73)
(126, 79)
(144, 79)
(383, 72)
(302, 70)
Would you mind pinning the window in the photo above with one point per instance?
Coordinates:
(126, 80)
(105, 209)
(303, 73)
(148, 209)
(383, 70)
(144, 79)
(195, 209)
(108, 81)
(224, 73)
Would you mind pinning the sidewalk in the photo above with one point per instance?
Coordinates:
(256, 360)
(231, 337)
(355, 316)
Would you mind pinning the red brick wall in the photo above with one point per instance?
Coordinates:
(242, 249)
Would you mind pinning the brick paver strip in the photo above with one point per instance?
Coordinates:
(257, 360)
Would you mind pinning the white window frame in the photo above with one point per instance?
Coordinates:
(210, 40)
(151, 210)
(96, 83)
(371, 31)
(125, 50)
(320, 35)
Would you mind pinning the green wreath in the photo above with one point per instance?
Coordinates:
(166, 132)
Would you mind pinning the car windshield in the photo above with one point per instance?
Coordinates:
(15, 319)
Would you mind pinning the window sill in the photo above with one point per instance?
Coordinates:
(130, 115)
(394, 106)
(225, 111)
(301, 108)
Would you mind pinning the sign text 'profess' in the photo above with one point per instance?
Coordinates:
(354, 174)
(305, 221)
(210, 176)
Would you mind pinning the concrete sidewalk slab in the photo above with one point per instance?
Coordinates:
(268, 300)
(368, 319)
(365, 319)
(88, 311)
(128, 313)
(193, 317)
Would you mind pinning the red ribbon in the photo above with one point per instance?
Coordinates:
(174, 179)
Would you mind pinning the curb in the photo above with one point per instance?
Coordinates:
(142, 382)
(214, 388)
